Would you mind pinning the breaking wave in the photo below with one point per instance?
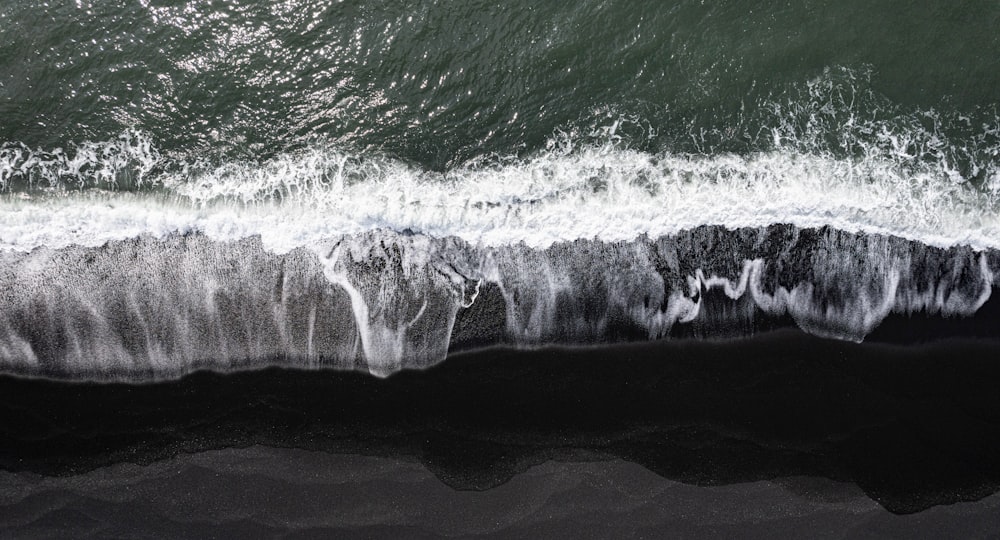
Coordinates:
(828, 152)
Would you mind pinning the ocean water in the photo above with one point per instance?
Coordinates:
(497, 123)
(206, 184)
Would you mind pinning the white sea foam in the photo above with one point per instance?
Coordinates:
(565, 193)
(118, 163)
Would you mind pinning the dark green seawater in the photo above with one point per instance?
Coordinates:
(863, 115)
(439, 82)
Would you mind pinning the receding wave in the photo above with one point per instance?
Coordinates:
(381, 301)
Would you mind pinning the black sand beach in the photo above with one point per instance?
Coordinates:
(911, 426)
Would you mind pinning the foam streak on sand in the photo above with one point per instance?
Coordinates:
(145, 308)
